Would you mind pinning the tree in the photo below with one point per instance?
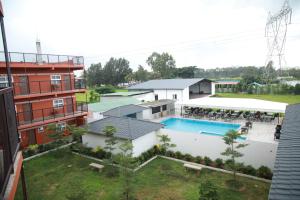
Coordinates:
(163, 64)
(59, 132)
(94, 75)
(185, 72)
(127, 163)
(115, 71)
(165, 141)
(208, 191)
(141, 74)
(231, 151)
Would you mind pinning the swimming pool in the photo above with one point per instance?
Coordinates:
(200, 126)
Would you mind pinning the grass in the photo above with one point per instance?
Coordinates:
(61, 173)
(290, 99)
(85, 97)
(121, 90)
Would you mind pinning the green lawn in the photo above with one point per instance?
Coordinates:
(290, 99)
(58, 174)
(121, 90)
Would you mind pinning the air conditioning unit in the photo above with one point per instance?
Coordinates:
(41, 129)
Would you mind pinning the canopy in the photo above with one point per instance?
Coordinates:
(235, 104)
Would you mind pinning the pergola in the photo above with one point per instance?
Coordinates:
(238, 104)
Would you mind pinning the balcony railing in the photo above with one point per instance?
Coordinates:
(45, 114)
(40, 87)
(9, 139)
(42, 58)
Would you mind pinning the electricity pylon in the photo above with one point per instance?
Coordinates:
(275, 32)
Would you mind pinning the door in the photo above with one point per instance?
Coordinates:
(27, 112)
(67, 82)
(69, 103)
(24, 87)
(31, 137)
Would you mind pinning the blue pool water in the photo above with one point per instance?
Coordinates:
(200, 126)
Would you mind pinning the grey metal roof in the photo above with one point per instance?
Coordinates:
(158, 103)
(166, 84)
(127, 128)
(124, 110)
(286, 179)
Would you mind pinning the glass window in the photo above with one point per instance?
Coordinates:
(61, 126)
(3, 81)
(155, 109)
(58, 103)
(55, 79)
(164, 107)
(175, 96)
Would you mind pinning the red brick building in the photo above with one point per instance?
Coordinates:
(44, 87)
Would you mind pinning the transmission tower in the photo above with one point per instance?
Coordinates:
(275, 32)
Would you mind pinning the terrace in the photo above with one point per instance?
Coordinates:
(31, 60)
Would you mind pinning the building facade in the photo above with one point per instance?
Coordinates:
(44, 87)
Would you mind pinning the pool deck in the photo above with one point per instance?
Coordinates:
(261, 131)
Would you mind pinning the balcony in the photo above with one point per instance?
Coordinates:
(48, 87)
(48, 115)
(31, 60)
(9, 143)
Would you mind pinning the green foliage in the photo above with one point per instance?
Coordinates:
(230, 139)
(198, 159)
(219, 162)
(208, 191)
(94, 97)
(77, 195)
(264, 172)
(94, 75)
(165, 142)
(105, 89)
(161, 64)
(297, 89)
(188, 157)
(110, 143)
(207, 161)
(141, 74)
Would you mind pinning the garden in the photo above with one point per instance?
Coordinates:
(63, 175)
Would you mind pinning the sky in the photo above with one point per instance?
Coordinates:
(203, 33)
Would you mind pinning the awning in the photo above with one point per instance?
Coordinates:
(235, 104)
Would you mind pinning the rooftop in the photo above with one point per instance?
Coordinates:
(126, 128)
(124, 94)
(124, 110)
(166, 84)
(286, 178)
(112, 102)
(158, 103)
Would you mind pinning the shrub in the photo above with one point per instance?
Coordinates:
(219, 162)
(207, 161)
(198, 159)
(188, 157)
(264, 172)
(170, 154)
(178, 155)
(208, 191)
(105, 89)
(249, 170)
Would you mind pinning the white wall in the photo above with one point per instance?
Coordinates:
(97, 140)
(255, 154)
(145, 97)
(168, 94)
(144, 143)
(213, 88)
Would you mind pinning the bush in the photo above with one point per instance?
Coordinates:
(105, 89)
(208, 191)
(219, 162)
(249, 170)
(198, 159)
(207, 161)
(170, 154)
(178, 155)
(188, 157)
(264, 172)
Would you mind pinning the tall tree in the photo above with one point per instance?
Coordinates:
(141, 74)
(115, 71)
(231, 151)
(185, 72)
(163, 64)
(94, 75)
(165, 142)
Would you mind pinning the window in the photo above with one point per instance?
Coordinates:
(156, 97)
(3, 81)
(41, 129)
(164, 107)
(58, 103)
(155, 109)
(175, 96)
(61, 127)
(55, 79)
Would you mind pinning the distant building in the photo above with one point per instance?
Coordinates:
(176, 89)
(226, 85)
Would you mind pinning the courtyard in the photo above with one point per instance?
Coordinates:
(59, 174)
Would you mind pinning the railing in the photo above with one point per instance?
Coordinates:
(9, 139)
(42, 58)
(32, 116)
(39, 87)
